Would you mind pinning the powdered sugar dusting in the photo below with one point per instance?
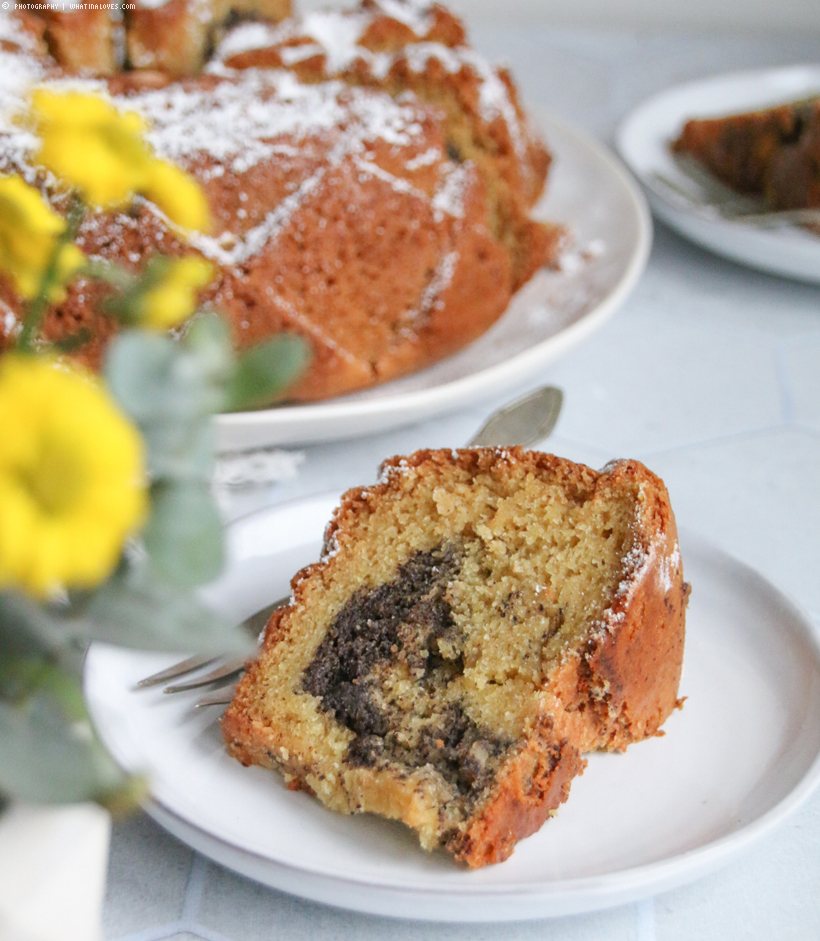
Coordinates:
(11, 325)
(18, 72)
(419, 54)
(636, 563)
(369, 169)
(441, 280)
(11, 30)
(395, 469)
(416, 15)
(237, 469)
(573, 258)
(428, 158)
(237, 119)
(247, 117)
(241, 121)
(336, 35)
(669, 565)
(248, 36)
(330, 546)
(229, 250)
(235, 122)
(449, 198)
(292, 55)
(314, 330)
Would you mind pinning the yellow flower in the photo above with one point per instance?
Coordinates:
(88, 143)
(93, 146)
(173, 299)
(72, 477)
(29, 229)
(179, 196)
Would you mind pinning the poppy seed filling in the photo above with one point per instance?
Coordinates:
(404, 630)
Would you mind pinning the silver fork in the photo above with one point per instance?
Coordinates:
(254, 625)
(522, 422)
(709, 197)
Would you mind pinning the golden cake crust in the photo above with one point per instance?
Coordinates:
(173, 36)
(615, 688)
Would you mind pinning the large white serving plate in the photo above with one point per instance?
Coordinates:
(607, 218)
(740, 756)
(643, 140)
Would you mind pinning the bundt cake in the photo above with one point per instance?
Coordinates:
(478, 620)
(369, 175)
(773, 153)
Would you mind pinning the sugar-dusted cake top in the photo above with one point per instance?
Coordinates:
(346, 41)
(228, 124)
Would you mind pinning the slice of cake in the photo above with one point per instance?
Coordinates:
(478, 620)
(773, 153)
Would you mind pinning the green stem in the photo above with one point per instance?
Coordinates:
(111, 274)
(37, 308)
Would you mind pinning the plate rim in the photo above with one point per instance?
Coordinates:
(446, 396)
(725, 237)
(545, 899)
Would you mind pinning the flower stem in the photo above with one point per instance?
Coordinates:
(37, 308)
(111, 274)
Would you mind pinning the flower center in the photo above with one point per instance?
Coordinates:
(56, 479)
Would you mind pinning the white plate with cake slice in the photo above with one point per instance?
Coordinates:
(609, 238)
(644, 140)
(742, 754)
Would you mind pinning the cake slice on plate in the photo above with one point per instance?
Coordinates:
(773, 153)
(478, 620)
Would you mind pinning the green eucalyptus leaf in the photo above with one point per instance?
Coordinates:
(183, 535)
(181, 450)
(23, 677)
(137, 370)
(208, 338)
(171, 389)
(147, 614)
(29, 629)
(265, 370)
(110, 273)
(49, 756)
(154, 376)
(130, 289)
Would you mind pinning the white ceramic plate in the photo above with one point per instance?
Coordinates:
(740, 756)
(643, 141)
(606, 214)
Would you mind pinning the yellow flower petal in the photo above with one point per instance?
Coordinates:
(93, 146)
(72, 477)
(90, 144)
(179, 196)
(79, 109)
(69, 262)
(29, 229)
(174, 299)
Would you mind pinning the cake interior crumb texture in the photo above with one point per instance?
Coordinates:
(479, 620)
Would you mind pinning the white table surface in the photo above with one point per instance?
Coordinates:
(710, 374)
